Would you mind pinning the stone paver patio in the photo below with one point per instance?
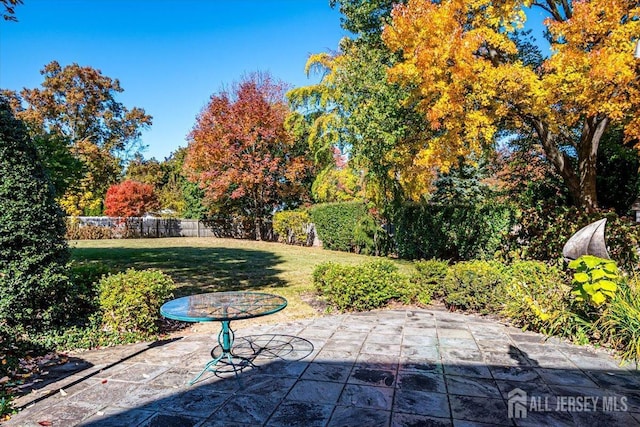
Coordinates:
(381, 368)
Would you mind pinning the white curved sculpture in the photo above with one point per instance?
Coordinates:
(588, 240)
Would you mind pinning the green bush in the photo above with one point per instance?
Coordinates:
(543, 231)
(429, 276)
(475, 286)
(292, 227)
(348, 227)
(595, 279)
(537, 298)
(130, 301)
(452, 232)
(360, 287)
(34, 286)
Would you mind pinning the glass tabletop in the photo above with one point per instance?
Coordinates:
(222, 306)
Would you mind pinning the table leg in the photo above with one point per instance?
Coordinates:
(225, 340)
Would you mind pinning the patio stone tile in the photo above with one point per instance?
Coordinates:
(384, 338)
(378, 348)
(335, 372)
(336, 356)
(433, 382)
(265, 385)
(514, 373)
(117, 417)
(64, 414)
(386, 331)
(492, 411)
(547, 419)
(552, 362)
(535, 388)
(457, 343)
(282, 368)
(170, 420)
(512, 357)
(616, 379)
(411, 420)
(421, 403)
(316, 391)
(527, 338)
(462, 333)
(196, 402)
(364, 396)
(453, 355)
(466, 423)
(254, 410)
(419, 351)
(421, 331)
(475, 370)
(419, 341)
(565, 377)
(143, 395)
(138, 373)
(316, 332)
(378, 377)
(594, 363)
(300, 414)
(600, 418)
(347, 416)
(108, 393)
(467, 386)
(344, 344)
(409, 365)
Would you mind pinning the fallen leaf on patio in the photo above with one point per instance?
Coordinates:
(45, 423)
(62, 392)
(104, 381)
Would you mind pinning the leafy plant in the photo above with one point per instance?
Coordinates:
(595, 279)
(429, 275)
(130, 301)
(292, 227)
(360, 287)
(475, 286)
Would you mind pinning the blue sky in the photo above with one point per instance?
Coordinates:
(170, 56)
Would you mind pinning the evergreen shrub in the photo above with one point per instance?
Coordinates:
(34, 286)
(475, 286)
(360, 287)
(348, 227)
(452, 232)
(429, 276)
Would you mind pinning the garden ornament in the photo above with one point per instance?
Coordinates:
(587, 241)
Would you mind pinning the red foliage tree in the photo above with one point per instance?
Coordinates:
(130, 198)
(243, 156)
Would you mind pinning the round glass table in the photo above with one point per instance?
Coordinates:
(223, 307)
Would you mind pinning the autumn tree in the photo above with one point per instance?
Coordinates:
(243, 156)
(354, 106)
(9, 13)
(78, 105)
(465, 67)
(130, 199)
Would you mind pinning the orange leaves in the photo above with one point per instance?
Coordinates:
(239, 148)
(130, 199)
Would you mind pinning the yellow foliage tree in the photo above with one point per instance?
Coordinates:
(469, 78)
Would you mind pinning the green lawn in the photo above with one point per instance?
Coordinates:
(210, 264)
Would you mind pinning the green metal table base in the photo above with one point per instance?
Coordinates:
(227, 358)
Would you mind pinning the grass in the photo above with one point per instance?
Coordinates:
(210, 264)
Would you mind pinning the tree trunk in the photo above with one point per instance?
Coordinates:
(581, 183)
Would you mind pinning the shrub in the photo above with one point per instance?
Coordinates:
(348, 227)
(130, 301)
(537, 298)
(360, 287)
(76, 231)
(452, 232)
(474, 286)
(429, 276)
(292, 227)
(543, 231)
(33, 253)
